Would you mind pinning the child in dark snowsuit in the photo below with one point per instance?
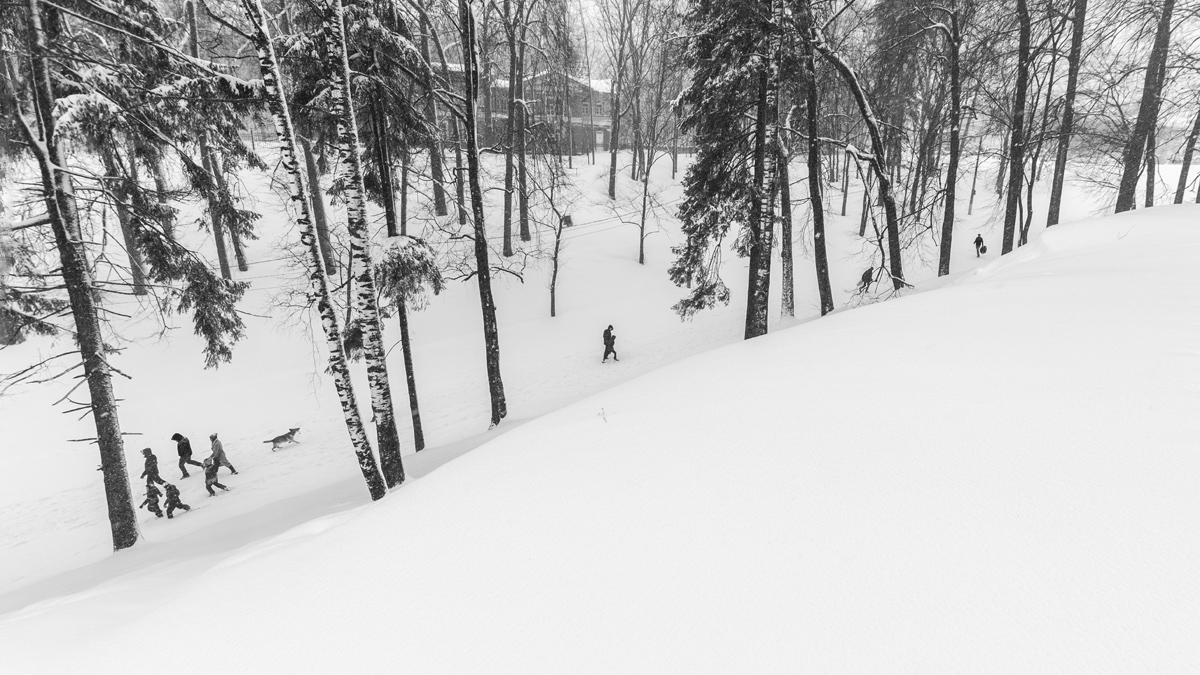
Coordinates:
(151, 471)
(610, 341)
(151, 503)
(210, 477)
(173, 501)
(184, 446)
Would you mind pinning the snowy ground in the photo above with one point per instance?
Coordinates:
(996, 475)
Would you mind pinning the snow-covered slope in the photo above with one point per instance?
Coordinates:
(995, 476)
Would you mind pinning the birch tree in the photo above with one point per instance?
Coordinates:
(360, 247)
(277, 103)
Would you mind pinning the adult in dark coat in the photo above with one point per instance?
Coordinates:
(151, 471)
(610, 341)
(978, 244)
(184, 446)
(865, 283)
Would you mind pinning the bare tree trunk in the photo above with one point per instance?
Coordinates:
(522, 134)
(975, 178)
(277, 102)
(511, 145)
(759, 286)
(1016, 153)
(214, 212)
(406, 347)
(762, 219)
(1152, 140)
(1151, 165)
(360, 248)
(404, 192)
(955, 151)
(558, 231)
(1189, 148)
(846, 179)
(206, 158)
(122, 204)
(456, 136)
(318, 207)
(435, 143)
(218, 172)
(1131, 157)
(1068, 119)
(383, 157)
(878, 157)
(785, 234)
(866, 208)
(592, 98)
(491, 334)
(815, 198)
(161, 189)
(614, 139)
(58, 192)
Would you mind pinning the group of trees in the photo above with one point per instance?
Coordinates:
(897, 93)
(116, 112)
(120, 111)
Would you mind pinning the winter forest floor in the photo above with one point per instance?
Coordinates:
(995, 473)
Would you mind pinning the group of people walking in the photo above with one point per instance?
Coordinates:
(184, 447)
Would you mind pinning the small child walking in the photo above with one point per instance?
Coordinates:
(151, 503)
(210, 477)
(151, 471)
(173, 500)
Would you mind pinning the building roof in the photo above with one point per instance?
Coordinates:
(598, 86)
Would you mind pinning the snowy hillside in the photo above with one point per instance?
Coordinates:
(996, 475)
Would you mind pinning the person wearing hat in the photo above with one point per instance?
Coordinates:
(210, 477)
(218, 454)
(151, 471)
(184, 446)
(979, 247)
(864, 284)
(151, 503)
(610, 342)
(173, 500)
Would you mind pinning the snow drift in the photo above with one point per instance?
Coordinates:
(998, 475)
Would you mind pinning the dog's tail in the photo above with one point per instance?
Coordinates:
(270, 441)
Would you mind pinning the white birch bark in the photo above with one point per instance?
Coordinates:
(360, 247)
(319, 285)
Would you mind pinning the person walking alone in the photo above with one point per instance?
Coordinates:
(218, 454)
(184, 446)
(979, 247)
(864, 284)
(610, 341)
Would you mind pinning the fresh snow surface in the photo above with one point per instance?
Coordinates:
(995, 474)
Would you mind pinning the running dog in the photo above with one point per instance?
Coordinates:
(278, 441)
